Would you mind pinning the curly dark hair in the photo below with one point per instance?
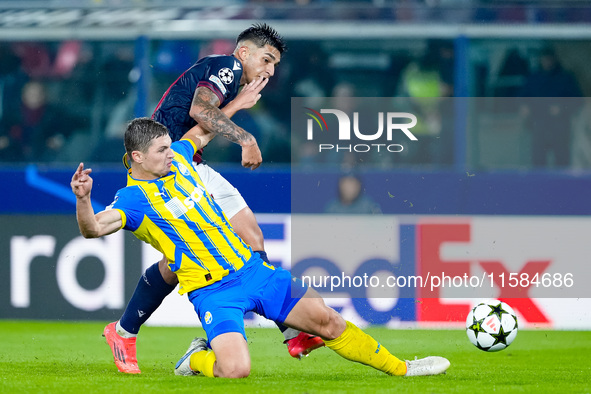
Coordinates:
(262, 34)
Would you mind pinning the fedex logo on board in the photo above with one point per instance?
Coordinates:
(436, 271)
(435, 240)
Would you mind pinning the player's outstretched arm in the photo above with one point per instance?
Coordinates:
(205, 111)
(199, 136)
(91, 225)
(249, 95)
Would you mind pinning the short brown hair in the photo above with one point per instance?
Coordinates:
(139, 134)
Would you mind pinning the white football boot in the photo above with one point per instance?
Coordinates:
(183, 366)
(427, 366)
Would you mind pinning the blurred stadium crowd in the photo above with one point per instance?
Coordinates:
(68, 100)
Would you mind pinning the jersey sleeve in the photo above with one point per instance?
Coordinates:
(132, 217)
(185, 148)
(223, 77)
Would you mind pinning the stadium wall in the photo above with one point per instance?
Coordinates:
(44, 190)
(538, 226)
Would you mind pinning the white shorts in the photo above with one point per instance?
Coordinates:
(226, 195)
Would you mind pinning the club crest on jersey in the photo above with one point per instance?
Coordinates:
(226, 75)
(207, 317)
(184, 170)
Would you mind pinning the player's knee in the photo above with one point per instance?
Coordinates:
(239, 373)
(332, 324)
(233, 370)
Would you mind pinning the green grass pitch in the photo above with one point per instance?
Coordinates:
(47, 357)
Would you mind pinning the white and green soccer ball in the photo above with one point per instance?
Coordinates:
(491, 326)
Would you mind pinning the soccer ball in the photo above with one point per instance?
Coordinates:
(491, 326)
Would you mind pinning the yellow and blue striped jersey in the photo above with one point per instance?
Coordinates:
(177, 216)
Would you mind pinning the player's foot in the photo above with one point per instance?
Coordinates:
(303, 344)
(183, 366)
(123, 349)
(427, 366)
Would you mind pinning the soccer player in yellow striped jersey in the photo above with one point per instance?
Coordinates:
(166, 205)
(180, 219)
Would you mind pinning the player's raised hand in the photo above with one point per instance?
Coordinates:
(81, 181)
(251, 156)
(250, 93)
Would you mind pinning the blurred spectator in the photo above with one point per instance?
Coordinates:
(35, 59)
(117, 73)
(344, 98)
(423, 83)
(431, 75)
(11, 80)
(110, 147)
(351, 198)
(445, 64)
(512, 74)
(549, 117)
(23, 126)
(66, 58)
(310, 74)
(38, 130)
(216, 47)
(582, 138)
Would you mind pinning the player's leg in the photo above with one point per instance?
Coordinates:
(311, 314)
(299, 344)
(232, 356)
(227, 358)
(292, 302)
(244, 222)
(153, 286)
(234, 206)
(221, 308)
